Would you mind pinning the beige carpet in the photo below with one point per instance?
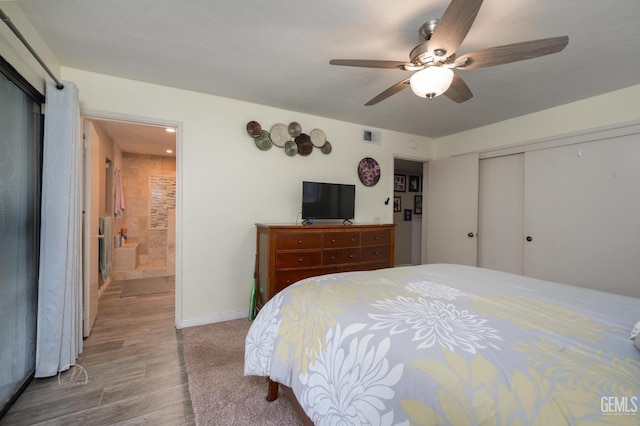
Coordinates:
(220, 393)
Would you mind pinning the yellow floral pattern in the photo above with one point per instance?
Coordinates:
(450, 345)
(575, 368)
(477, 393)
(540, 315)
(313, 310)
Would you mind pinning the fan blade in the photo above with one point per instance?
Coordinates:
(512, 53)
(367, 63)
(454, 26)
(458, 91)
(390, 91)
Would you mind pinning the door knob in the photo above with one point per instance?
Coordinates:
(529, 238)
(470, 235)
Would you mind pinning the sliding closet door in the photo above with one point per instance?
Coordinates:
(501, 214)
(20, 169)
(452, 210)
(582, 214)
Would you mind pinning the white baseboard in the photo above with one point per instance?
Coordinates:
(104, 286)
(211, 319)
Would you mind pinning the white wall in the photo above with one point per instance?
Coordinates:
(14, 52)
(604, 110)
(228, 184)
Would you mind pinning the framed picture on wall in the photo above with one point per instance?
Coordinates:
(414, 183)
(407, 215)
(417, 204)
(399, 183)
(397, 204)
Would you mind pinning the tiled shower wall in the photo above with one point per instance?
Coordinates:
(148, 182)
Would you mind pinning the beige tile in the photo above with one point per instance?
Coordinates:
(125, 258)
(134, 275)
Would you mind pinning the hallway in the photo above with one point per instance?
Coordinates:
(132, 370)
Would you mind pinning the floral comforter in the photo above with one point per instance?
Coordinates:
(449, 344)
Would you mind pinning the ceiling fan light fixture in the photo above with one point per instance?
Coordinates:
(431, 81)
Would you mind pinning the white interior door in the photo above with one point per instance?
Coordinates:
(582, 214)
(452, 210)
(90, 267)
(501, 214)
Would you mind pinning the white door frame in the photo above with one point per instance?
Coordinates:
(90, 256)
(135, 119)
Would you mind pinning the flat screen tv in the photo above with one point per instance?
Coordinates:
(321, 200)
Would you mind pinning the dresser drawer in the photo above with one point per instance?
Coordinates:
(374, 238)
(286, 254)
(298, 240)
(367, 266)
(299, 259)
(285, 278)
(375, 253)
(339, 256)
(341, 239)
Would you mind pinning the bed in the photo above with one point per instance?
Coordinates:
(449, 344)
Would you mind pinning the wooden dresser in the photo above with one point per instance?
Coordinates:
(289, 253)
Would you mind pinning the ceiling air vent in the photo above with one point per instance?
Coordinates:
(372, 136)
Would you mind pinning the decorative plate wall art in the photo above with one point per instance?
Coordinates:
(294, 129)
(369, 171)
(254, 129)
(304, 144)
(279, 134)
(290, 138)
(318, 138)
(263, 140)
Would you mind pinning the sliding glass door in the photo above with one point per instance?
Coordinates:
(20, 174)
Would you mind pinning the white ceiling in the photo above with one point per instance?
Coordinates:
(140, 139)
(277, 53)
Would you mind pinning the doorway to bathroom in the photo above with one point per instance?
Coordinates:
(133, 175)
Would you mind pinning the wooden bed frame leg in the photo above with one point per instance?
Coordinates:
(272, 394)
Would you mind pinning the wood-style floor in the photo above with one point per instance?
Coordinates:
(134, 365)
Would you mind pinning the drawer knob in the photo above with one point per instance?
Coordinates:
(350, 256)
(288, 281)
(333, 241)
(300, 260)
(333, 257)
(377, 238)
(299, 241)
(375, 253)
(352, 240)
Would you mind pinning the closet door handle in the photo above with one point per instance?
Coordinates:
(470, 234)
(529, 238)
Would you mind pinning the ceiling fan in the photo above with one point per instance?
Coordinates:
(434, 59)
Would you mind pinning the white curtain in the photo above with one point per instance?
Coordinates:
(59, 336)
